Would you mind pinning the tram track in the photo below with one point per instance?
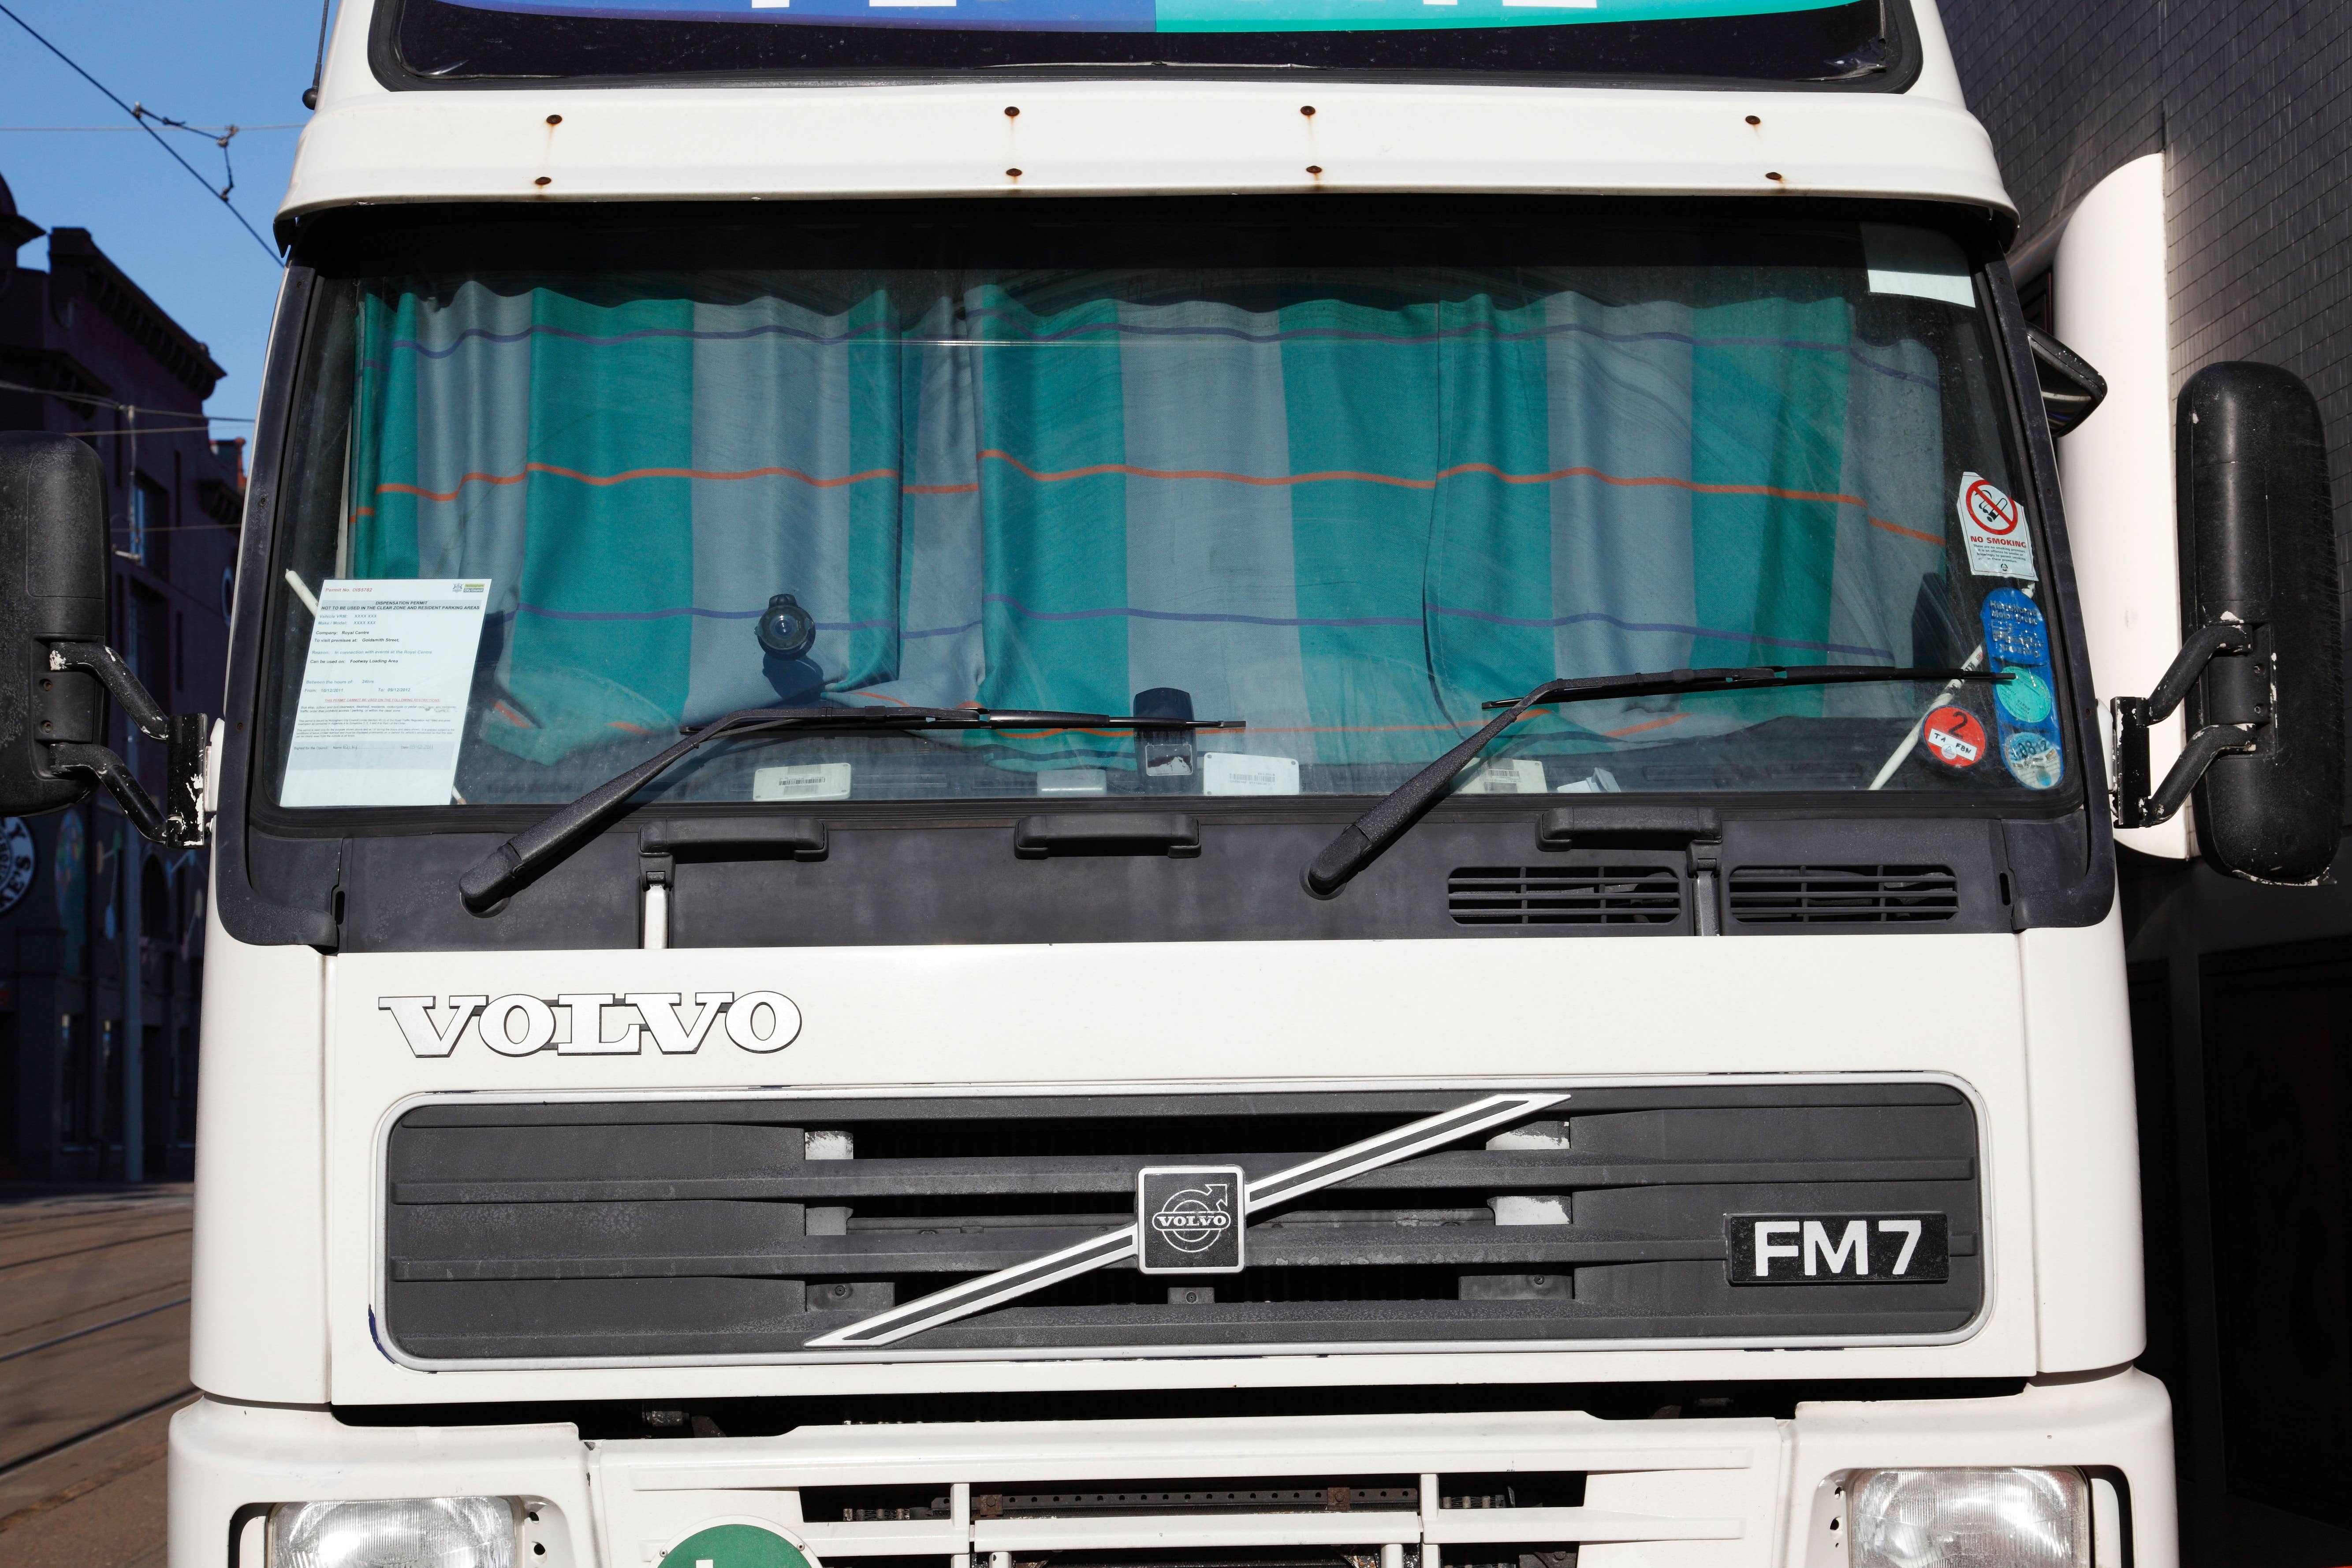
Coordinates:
(94, 1302)
(11, 1467)
(95, 1329)
(101, 1247)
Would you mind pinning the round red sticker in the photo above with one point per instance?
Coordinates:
(1955, 736)
(1991, 509)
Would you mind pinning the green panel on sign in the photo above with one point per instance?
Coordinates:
(1391, 15)
(735, 1546)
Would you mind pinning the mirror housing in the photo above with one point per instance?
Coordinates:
(2258, 549)
(2261, 668)
(52, 588)
(56, 669)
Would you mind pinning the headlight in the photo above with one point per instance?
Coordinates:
(412, 1532)
(1969, 1518)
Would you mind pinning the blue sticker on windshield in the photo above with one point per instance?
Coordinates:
(2017, 642)
(2014, 633)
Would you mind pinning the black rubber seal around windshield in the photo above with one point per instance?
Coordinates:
(249, 915)
(2086, 898)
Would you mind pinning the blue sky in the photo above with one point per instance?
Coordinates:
(245, 64)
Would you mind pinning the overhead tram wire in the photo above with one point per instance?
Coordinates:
(144, 430)
(111, 130)
(127, 407)
(140, 120)
(135, 409)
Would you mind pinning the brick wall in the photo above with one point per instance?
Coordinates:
(2251, 102)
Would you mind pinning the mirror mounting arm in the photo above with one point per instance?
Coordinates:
(2135, 806)
(101, 763)
(106, 664)
(179, 821)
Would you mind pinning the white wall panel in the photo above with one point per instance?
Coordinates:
(2113, 308)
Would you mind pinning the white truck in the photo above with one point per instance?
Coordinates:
(969, 747)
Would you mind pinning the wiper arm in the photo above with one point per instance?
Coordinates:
(1364, 841)
(512, 864)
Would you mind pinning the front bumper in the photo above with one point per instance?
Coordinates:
(1691, 1494)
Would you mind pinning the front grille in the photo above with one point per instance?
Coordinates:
(1430, 1488)
(1843, 895)
(1564, 896)
(1264, 1521)
(657, 1229)
(1270, 1497)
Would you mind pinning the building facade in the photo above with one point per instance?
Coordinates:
(101, 934)
(2241, 996)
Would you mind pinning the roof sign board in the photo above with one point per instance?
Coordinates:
(1834, 43)
(1159, 16)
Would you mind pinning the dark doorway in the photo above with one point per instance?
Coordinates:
(109, 1094)
(2277, 1034)
(76, 1123)
(157, 1115)
(183, 1084)
(2154, 1066)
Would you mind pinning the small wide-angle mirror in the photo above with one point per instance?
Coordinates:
(2070, 388)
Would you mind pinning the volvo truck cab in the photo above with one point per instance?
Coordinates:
(1106, 784)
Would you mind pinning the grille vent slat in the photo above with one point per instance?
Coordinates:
(1564, 895)
(1843, 895)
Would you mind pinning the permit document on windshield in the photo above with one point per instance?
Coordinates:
(383, 711)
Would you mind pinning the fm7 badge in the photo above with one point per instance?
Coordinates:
(1188, 1219)
(1837, 1249)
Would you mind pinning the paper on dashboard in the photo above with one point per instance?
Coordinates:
(382, 709)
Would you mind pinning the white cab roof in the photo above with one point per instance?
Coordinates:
(369, 144)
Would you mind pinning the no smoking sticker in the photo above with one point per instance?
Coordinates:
(1955, 737)
(1994, 527)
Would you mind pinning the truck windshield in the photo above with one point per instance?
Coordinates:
(1342, 477)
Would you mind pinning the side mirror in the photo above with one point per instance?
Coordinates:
(52, 587)
(2070, 388)
(56, 669)
(2261, 666)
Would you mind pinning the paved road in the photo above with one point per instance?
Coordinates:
(93, 1361)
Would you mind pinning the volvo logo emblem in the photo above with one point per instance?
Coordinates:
(1196, 1218)
(1188, 1219)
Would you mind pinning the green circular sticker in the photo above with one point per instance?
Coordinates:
(2025, 698)
(735, 1546)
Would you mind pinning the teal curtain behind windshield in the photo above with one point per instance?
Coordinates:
(1350, 522)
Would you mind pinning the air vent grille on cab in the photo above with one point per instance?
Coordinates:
(1843, 895)
(1565, 895)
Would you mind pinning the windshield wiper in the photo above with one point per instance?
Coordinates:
(1364, 841)
(498, 873)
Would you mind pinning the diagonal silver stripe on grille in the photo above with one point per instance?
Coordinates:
(1431, 1132)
